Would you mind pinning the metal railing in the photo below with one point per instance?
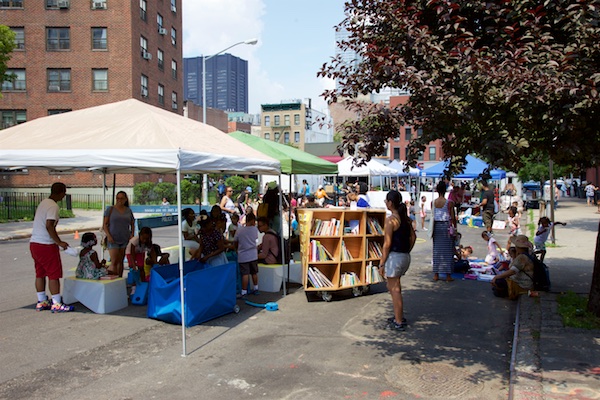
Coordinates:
(15, 205)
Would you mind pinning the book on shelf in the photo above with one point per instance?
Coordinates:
(373, 227)
(317, 279)
(372, 274)
(349, 279)
(374, 249)
(318, 252)
(354, 226)
(346, 255)
(326, 228)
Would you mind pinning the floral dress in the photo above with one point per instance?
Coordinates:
(87, 269)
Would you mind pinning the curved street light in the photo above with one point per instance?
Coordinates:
(251, 42)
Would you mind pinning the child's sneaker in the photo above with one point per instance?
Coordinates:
(60, 307)
(42, 305)
(394, 326)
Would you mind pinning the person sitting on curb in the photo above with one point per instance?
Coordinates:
(519, 276)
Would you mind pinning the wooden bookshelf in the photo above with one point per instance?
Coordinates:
(334, 243)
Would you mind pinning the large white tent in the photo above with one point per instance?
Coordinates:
(372, 168)
(130, 136)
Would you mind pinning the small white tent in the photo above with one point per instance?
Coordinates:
(130, 136)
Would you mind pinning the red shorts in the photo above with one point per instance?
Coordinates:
(47, 260)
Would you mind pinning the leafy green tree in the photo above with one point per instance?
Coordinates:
(189, 191)
(7, 45)
(143, 192)
(165, 189)
(496, 78)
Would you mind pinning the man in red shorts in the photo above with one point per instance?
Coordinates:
(44, 246)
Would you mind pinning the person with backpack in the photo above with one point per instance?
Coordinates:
(488, 206)
(519, 278)
(268, 250)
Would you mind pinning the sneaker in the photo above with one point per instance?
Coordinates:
(60, 308)
(392, 319)
(425, 229)
(255, 292)
(240, 296)
(43, 305)
(397, 327)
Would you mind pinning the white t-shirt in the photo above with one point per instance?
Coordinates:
(247, 237)
(48, 209)
(542, 237)
(493, 256)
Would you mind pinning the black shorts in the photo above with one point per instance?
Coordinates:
(249, 268)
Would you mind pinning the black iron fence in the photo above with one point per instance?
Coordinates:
(14, 206)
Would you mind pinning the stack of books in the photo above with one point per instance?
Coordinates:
(374, 228)
(346, 256)
(318, 252)
(372, 274)
(349, 279)
(317, 279)
(373, 249)
(326, 228)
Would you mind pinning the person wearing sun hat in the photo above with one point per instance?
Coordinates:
(519, 276)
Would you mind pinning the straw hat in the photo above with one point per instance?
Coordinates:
(521, 241)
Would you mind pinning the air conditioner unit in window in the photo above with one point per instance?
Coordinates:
(63, 4)
(173, 8)
(146, 55)
(144, 92)
(162, 31)
(99, 5)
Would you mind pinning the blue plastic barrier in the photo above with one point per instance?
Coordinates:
(209, 292)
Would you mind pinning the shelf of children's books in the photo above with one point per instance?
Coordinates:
(325, 237)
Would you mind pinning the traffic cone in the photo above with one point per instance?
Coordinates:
(76, 235)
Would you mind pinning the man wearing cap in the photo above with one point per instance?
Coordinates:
(321, 195)
(519, 276)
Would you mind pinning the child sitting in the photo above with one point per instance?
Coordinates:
(89, 266)
(544, 229)
(494, 249)
(136, 251)
(232, 228)
(462, 254)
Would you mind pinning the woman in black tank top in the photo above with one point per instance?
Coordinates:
(395, 259)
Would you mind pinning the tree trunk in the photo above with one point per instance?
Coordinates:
(594, 299)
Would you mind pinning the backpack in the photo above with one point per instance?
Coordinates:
(541, 275)
(279, 259)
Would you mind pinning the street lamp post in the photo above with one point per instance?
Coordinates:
(204, 58)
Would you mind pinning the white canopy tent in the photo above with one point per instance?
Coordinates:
(130, 136)
(372, 167)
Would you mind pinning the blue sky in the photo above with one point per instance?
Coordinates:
(294, 39)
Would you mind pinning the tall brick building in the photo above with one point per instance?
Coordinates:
(77, 54)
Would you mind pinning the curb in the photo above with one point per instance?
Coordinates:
(525, 369)
(60, 232)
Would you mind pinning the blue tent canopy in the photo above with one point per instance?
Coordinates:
(473, 168)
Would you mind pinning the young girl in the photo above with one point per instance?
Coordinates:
(513, 223)
(137, 249)
(543, 231)
(89, 266)
(423, 212)
(494, 249)
(412, 215)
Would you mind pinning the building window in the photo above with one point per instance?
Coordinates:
(59, 80)
(58, 111)
(58, 39)
(397, 139)
(296, 119)
(276, 120)
(407, 133)
(432, 153)
(286, 120)
(173, 36)
(267, 120)
(276, 136)
(100, 80)
(420, 157)
(56, 4)
(11, 3)
(159, 21)
(160, 55)
(173, 5)
(396, 153)
(296, 137)
(161, 95)
(143, 46)
(144, 85)
(174, 69)
(143, 8)
(406, 153)
(419, 132)
(19, 38)
(286, 137)
(99, 39)
(16, 81)
(174, 101)
(12, 117)
(267, 136)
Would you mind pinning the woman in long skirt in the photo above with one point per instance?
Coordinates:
(443, 234)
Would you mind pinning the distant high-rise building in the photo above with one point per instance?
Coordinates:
(350, 57)
(226, 82)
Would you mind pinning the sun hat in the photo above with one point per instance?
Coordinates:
(521, 241)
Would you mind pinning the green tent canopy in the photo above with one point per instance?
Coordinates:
(293, 161)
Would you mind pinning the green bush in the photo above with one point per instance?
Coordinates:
(239, 184)
(143, 192)
(189, 191)
(165, 189)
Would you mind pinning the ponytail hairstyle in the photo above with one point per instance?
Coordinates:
(395, 197)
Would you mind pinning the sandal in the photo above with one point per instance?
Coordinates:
(436, 277)
(449, 279)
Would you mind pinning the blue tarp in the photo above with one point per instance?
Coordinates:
(473, 169)
(209, 292)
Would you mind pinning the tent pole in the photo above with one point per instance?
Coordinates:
(287, 282)
(282, 244)
(181, 260)
(103, 206)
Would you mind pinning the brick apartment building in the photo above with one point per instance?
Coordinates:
(76, 54)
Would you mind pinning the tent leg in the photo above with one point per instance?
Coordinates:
(181, 259)
(282, 244)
